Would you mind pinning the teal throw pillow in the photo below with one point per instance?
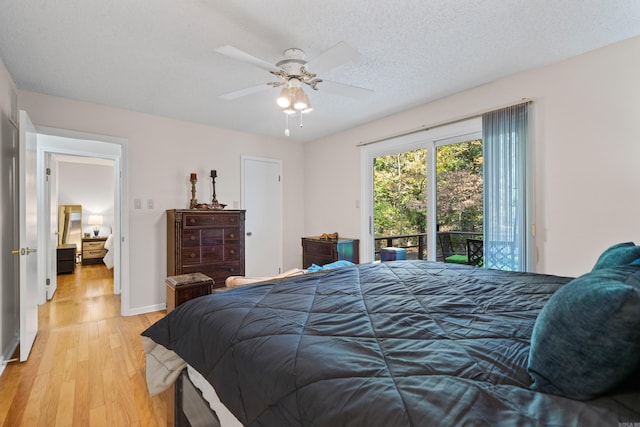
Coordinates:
(620, 254)
(586, 340)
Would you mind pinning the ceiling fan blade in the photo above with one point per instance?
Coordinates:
(239, 55)
(332, 57)
(246, 91)
(355, 92)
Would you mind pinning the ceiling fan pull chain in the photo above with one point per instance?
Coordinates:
(300, 118)
(286, 129)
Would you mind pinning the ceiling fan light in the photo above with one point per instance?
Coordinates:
(284, 100)
(300, 100)
(309, 107)
(289, 111)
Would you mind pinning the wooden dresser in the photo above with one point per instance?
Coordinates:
(93, 250)
(319, 251)
(207, 242)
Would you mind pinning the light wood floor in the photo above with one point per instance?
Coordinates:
(86, 367)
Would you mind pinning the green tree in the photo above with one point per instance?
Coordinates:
(400, 184)
(459, 186)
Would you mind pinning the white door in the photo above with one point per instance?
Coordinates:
(28, 223)
(262, 199)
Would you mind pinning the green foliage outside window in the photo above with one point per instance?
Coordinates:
(400, 190)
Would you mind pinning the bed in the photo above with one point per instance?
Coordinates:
(403, 343)
(108, 258)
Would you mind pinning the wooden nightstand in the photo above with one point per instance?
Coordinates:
(185, 287)
(66, 258)
(93, 250)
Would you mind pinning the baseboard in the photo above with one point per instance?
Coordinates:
(144, 310)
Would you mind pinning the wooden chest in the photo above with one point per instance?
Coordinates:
(207, 242)
(318, 251)
(185, 287)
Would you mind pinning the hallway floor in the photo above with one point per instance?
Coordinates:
(86, 367)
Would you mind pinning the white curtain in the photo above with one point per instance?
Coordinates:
(505, 135)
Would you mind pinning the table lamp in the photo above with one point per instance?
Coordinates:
(96, 221)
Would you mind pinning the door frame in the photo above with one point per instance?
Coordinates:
(84, 144)
(427, 139)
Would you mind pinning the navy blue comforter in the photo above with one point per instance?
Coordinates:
(406, 343)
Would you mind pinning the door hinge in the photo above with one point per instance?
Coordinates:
(48, 282)
(48, 171)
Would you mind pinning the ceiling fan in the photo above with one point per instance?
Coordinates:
(294, 71)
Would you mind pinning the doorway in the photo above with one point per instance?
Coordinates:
(53, 142)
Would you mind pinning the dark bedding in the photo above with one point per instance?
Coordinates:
(407, 343)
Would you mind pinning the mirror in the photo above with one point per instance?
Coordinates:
(70, 225)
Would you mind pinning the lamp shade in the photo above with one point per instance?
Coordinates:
(300, 100)
(284, 100)
(95, 220)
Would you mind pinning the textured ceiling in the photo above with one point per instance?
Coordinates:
(157, 56)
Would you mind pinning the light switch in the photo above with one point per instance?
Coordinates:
(137, 204)
(149, 204)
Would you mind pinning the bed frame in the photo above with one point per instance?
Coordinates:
(191, 409)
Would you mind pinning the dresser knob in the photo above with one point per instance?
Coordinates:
(193, 238)
(233, 252)
(193, 255)
(232, 235)
(192, 220)
(213, 218)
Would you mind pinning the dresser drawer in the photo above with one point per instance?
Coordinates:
(231, 234)
(94, 253)
(87, 246)
(202, 237)
(232, 252)
(319, 248)
(203, 220)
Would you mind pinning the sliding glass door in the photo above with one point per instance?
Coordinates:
(418, 183)
(452, 188)
(400, 202)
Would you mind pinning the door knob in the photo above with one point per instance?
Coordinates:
(249, 233)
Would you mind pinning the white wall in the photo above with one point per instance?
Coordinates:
(586, 155)
(162, 153)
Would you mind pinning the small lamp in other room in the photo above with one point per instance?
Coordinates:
(96, 221)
